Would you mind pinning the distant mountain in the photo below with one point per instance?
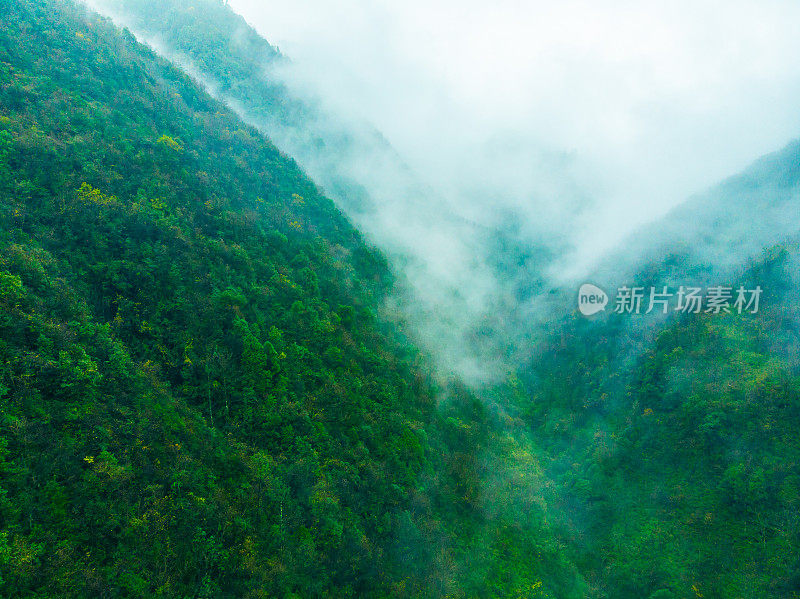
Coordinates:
(716, 233)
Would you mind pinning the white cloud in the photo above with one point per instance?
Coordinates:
(651, 101)
(533, 129)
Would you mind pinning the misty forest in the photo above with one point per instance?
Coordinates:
(250, 349)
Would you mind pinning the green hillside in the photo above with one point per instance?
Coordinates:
(205, 392)
(679, 475)
(200, 392)
(392, 203)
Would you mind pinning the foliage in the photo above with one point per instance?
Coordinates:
(201, 392)
(681, 472)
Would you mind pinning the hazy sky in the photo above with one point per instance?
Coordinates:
(649, 102)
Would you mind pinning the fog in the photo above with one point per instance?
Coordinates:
(633, 106)
(498, 151)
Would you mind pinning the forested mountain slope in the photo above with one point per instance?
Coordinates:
(203, 394)
(467, 281)
(669, 439)
(200, 393)
(714, 234)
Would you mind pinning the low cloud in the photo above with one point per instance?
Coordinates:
(525, 140)
(627, 106)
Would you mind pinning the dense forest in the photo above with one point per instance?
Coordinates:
(201, 394)
(479, 337)
(206, 392)
(682, 470)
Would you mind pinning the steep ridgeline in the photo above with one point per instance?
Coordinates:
(484, 272)
(711, 237)
(200, 394)
(671, 441)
